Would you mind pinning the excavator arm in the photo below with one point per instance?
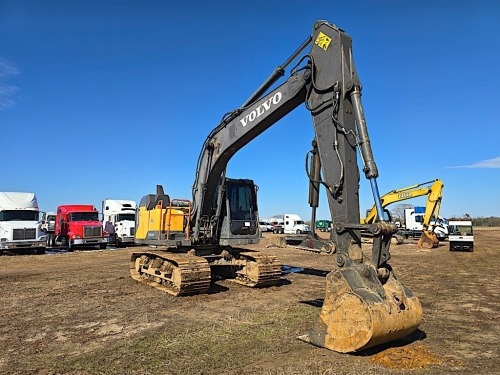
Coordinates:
(365, 304)
(428, 239)
(329, 87)
(433, 204)
(433, 189)
(434, 192)
(234, 132)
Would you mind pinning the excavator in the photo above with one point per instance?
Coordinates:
(433, 190)
(365, 304)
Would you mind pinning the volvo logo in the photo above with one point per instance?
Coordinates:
(261, 109)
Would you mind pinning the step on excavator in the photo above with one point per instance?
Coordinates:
(364, 302)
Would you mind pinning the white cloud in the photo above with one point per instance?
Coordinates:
(489, 163)
(7, 92)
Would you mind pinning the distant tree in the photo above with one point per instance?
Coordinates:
(398, 212)
(492, 221)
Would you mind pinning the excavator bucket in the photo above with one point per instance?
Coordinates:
(359, 311)
(428, 240)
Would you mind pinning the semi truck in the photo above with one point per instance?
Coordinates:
(120, 215)
(294, 224)
(19, 222)
(290, 224)
(323, 225)
(48, 226)
(78, 225)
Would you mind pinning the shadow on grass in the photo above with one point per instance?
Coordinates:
(318, 302)
(216, 288)
(283, 282)
(417, 335)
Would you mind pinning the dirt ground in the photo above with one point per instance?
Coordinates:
(81, 313)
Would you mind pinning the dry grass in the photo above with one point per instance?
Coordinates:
(202, 349)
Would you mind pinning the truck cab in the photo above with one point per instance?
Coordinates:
(78, 225)
(19, 222)
(120, 216)
(48, 222)
(414, 223)
(48, 227)
(295, 225)
(323, 225)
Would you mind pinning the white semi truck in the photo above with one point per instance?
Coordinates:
(19, 223)
(294, 224)
(120, 214)
(290, 224)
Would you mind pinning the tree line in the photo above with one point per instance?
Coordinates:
(492, 221)
(398, 214)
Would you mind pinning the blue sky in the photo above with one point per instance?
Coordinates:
(106, 99)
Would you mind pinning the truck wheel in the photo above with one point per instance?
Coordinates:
(102, 246)
(298, 231)
(66, 244)
(50, 239)
(40, 251)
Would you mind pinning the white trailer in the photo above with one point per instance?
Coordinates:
(120, 214)
(461, 235)
(19, 223)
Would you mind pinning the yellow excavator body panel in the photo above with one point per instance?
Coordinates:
(159, 220)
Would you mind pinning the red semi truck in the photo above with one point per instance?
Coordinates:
(78, 225)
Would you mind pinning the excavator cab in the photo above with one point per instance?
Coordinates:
(241, 211)
(234, 218)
